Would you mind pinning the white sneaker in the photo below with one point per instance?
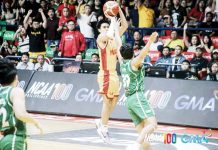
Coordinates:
(134, 146)
(102, 131)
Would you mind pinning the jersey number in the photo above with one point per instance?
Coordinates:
(126, 81)
(3, 116)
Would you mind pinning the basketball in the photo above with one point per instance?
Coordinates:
(111, 8)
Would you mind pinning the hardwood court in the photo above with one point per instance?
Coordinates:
(76, 133)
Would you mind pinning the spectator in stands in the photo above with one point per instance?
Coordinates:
(206, 44)
(25, 64)
(52, 34)
(134, 16)
(178, 14)
(165, 57)
(41, 64)
(72, 41)
(14, 50)
(71, 67)
(146, 14)
(44, 6)
(5, 49)
(194, 43)
(208, 24)
(185, 72)
(138, 42)
(84, 22)
(183, 3)
(176, 60)
(36, 34)
(196, 14)
(21, 11)
(213, 74)
(23, 40)
(199, 62)
(65, 17)
(211, 6)
(174, 41)
(164, 9)
(157, 45)
(167, 23)
(95, 57)
(9, 14)
(54, 4)
(65, 4)
(214, 58)
(79, 57)
(98, 7)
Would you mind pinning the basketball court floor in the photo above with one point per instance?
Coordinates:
(77, 133)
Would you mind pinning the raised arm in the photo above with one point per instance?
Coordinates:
(185, 36)
(78, 9)
(118, 40)
(44, 23)
(124, 24)
(137, 61)
(25, 21)
(17, 33)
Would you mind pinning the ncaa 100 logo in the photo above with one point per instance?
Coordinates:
(43, 90)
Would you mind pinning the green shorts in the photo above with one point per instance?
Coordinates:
(139, 108)
(13, 142)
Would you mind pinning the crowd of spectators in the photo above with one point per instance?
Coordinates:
(67, 29)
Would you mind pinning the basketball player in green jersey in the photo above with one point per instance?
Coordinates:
(13, 114)
(132, 72)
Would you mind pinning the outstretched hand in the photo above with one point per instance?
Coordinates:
(39, 127)
(153, 36)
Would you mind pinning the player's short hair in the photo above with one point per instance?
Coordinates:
(101, 22)
(126, 51)
(8, 72)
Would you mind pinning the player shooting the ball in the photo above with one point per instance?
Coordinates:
(107, 76)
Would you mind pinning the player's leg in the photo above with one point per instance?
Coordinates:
(149, 125)
(143, 117)
(146, 113)
(102, 124)
(106, 110)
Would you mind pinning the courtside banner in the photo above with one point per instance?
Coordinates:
(181, 102)
(24, 77)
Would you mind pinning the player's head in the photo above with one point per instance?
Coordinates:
(103, 26)
(8, 72)
(126, 51)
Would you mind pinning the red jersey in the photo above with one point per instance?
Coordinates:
(72, 42)
(108, 56)
(72, 9)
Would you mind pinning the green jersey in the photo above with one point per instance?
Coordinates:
(9, 124)
(133, 81)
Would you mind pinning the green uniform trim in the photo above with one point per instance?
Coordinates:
(14, 130)
(133, 81)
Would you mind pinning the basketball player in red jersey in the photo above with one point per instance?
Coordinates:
(107, 77)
